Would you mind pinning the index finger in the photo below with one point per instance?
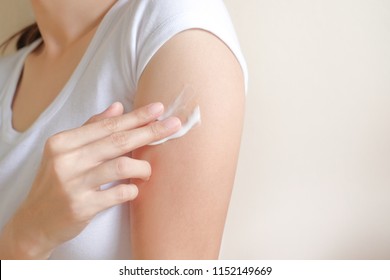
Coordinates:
(91, 132)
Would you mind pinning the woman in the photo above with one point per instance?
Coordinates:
(64, 185)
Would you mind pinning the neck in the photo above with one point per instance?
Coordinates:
(63, 22)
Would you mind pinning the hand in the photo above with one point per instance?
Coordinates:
(66, 193)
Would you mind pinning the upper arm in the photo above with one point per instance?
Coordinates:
(180, 212)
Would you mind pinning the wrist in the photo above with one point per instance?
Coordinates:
(17, 242)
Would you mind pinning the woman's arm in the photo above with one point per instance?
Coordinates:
(65, 195)
(180, 212)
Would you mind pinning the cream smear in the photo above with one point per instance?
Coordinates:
(183, 108)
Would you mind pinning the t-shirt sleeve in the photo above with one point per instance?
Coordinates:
(155, 22)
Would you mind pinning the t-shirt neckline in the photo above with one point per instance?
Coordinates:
(9, 132)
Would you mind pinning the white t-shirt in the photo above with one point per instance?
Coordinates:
(127, 38)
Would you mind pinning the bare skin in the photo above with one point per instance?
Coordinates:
(66, 36)
(65, 197)
(180, 212)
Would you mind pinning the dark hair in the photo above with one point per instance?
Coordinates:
(26, 36)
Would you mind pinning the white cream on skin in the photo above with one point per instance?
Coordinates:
(178, 108)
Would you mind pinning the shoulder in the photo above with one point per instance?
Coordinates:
(154, 23)
(161, 20)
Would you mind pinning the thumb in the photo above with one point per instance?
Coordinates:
(116, 109)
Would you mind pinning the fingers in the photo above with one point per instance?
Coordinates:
(114, 196)
(116, 109)
(118, 169)
(123, 142)
(99, 127)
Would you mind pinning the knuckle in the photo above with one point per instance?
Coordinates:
(63, 166)
(122, 166)
(54, 143)
(79, 209)
(142, 115)
(110, 124)
(119, 139)
(74, 211)
(155, 130)
(59, 168)
(70, 205)
(77, 213)
(57, 164)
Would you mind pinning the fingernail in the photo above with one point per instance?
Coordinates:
(133, 191)
(171, 122)
(155, 108)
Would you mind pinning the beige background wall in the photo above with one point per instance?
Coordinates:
(314, 173)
